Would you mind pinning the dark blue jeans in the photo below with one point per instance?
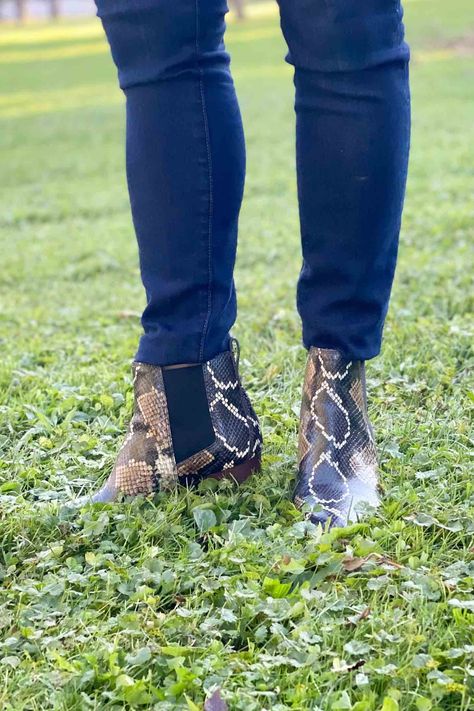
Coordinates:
(186, 166)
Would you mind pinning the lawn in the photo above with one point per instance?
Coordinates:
(155, 603)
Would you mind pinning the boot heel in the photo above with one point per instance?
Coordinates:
(241, 472)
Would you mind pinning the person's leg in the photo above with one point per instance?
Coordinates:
(353, 125)
(352, 138)
(185, 169)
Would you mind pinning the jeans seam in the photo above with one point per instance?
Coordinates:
(210, 183)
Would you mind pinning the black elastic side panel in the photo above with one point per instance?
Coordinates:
(190, 420)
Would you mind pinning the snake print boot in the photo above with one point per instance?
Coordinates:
(338, 463)
(146, 461)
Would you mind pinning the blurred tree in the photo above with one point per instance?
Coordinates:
(239, 8)
(54, 9)
(20, 10)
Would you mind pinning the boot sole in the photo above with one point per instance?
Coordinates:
(239, 473)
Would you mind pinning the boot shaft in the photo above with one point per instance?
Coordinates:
(337, 456)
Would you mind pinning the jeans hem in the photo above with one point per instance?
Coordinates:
(157, 350)
(347, 353)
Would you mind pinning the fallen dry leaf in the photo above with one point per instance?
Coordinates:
(355, 619)
(351, 564)
(215, 702)
(128, 314)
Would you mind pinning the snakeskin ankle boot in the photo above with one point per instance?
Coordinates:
(338, 462)
(228, 444)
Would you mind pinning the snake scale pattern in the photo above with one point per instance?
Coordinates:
(338, 460)
(146, 461)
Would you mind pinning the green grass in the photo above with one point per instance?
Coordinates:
(142, 604)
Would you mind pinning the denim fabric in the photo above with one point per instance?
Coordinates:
(186, 166)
